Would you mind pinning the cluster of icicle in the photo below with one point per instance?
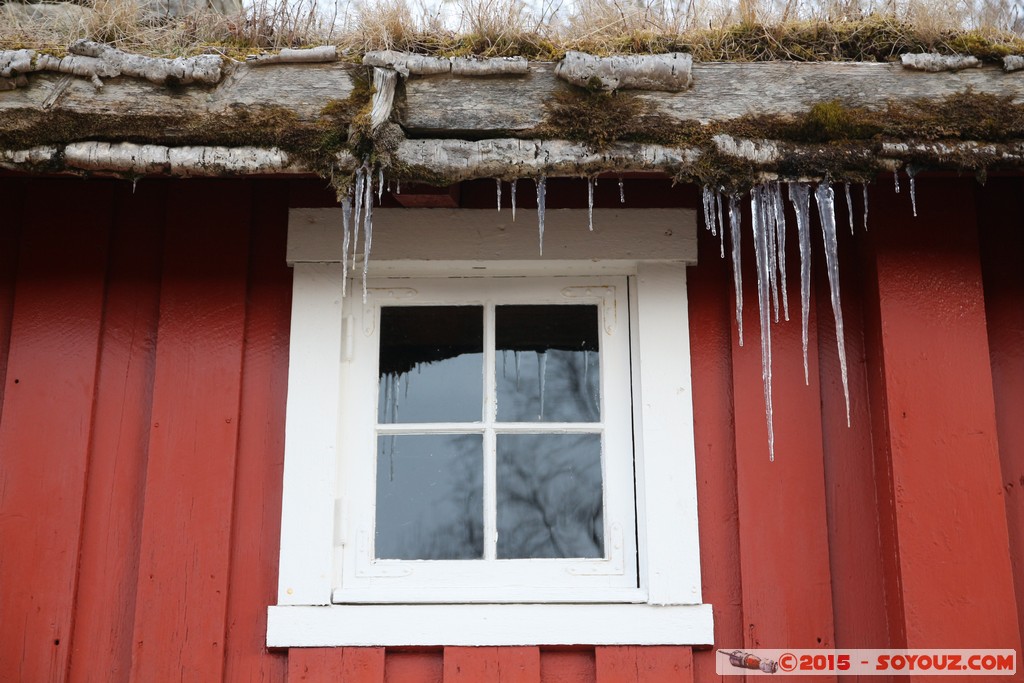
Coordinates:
(769, 231)
(356, 217)
(541, 183)
(768, 219)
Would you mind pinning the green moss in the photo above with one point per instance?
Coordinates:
(591, 116)
(598, 118)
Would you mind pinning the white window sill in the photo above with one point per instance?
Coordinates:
(488, 624)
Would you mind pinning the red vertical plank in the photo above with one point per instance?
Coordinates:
(855, 552)
(336, 665)
(314, 664)
(363, 665)
(710, 311)
(418, 666)
(257, 516)
(45, 427)
(471, 665)
(617, 664)
(665, 664)
(101, 649)
(786, 584)
(186, 526)
(519, 664)
(567, 666)
(955, 578)
(1001, 219)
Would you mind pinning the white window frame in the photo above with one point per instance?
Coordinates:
(365, 579)
(666, 607)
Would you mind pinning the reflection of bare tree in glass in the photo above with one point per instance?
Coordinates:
(549, 495)
(430, 506)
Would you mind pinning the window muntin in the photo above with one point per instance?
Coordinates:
(539, 492)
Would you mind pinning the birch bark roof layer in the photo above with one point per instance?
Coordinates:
(738, 121)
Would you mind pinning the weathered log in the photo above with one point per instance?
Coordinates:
(496, 66)
(455, 160)
(450, 161)
(406, 63)
(96, 61)
(313, 55)
(384, 83)
(141, 160)
(935, 63)
(669, 72)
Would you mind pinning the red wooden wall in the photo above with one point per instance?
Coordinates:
(143, 366)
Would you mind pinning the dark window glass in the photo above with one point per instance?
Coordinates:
(430, 497)
(549, 496)
(431, 364)
(548, 365)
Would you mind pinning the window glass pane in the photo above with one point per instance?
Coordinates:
(549, 496)
(430, 497)
(431, 364)
(548, 365)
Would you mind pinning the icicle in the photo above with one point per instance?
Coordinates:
(367, 230)
(513, 198)
(737, 274)
(761, 253)
(590, 203)
(541, 201)
(896, 179)
(515, 354)
(622, 191)
(380, 184)
(865, 186)
(395, 398)
(780, 244)
(398, 186)
(826, 211)
(709, 221)
(504, 363)
(721, 224)
(390, 408)
(498, 182)
(799, 195)
(357, 211)
(912, 172)
(767, 217)
(586, 368)
(542, 371)
(346, 240)
(135, 181)
(849, 205)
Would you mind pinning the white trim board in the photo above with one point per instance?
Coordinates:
(486, 235)
(530, 624)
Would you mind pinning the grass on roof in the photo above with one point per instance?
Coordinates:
(831, 30)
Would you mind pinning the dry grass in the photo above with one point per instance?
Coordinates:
(710, 29)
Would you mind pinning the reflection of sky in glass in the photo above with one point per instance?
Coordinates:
(449, 390)
(548, 363)
(430, 497)
(549, 496)
(553, 386)
(431, 364)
